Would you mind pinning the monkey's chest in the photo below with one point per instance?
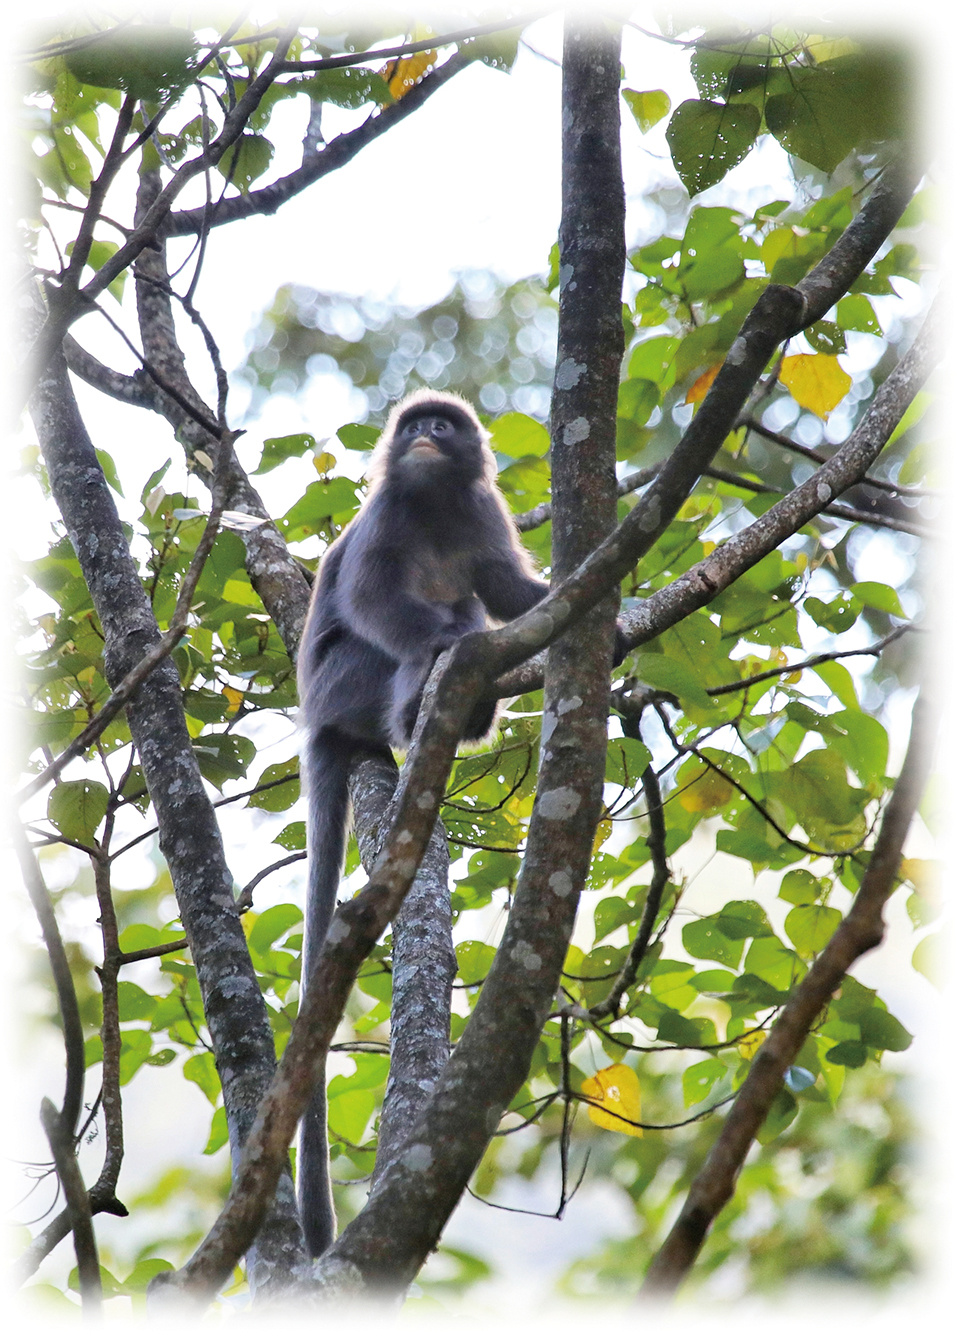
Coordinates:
(440, 578)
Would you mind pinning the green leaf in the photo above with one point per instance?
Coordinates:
(699, 1079)
(473, 961)
(840, 682)
(817, 120)
(224, 757)
(283, 794)
(626, 760)
(653, 360)
(878, 596)
(134, 1002)
(347, 88)
(271, 924)
(518, 435)
(863, 742)
(219, 1132)
(705, 940)
(135, 1045)
(200, 1068)
(358, 437)
(648, 108)
(246, 160)
(143, 1274)
(810, 926)
(348, 1114)
(855, 313)
(742, 918)
(849, 1053)
(146, 60)
(880, 1029)
(782, 1112)
(912, 415)
(707, 139)
(278, 450)
(662, 672)
(799, 887)
(837, 615)
(768, 958)
(293, 837)
(637, 399)
(611, 913)
(322, 501)
(77, 808)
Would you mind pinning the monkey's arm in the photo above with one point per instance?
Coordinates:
(502, 576)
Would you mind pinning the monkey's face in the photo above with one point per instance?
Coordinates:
(436, 440)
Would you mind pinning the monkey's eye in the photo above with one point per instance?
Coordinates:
(442, 427)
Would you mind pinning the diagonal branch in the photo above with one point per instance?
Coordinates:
(268, 199)
(861, 930)
(612, 560)
(69, 1115)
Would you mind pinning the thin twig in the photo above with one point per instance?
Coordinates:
(819, 660)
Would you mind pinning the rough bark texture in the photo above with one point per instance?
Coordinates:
(189, 836)
(388, 1242)
(275, 576)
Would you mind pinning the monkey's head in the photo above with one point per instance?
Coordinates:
(433, 438)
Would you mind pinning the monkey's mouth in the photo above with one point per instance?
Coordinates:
(424, 449)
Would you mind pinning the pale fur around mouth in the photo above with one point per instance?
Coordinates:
(424, 448)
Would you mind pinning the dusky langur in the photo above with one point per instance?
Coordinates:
(431, 554)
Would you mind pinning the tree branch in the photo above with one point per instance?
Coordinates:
(424, 964)
(60, 1136)
(401, 1223)
(268, 199)
(189, 837)
(860, 931)
(72, 1105)
(612, 560)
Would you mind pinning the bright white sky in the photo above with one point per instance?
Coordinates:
(470, 181)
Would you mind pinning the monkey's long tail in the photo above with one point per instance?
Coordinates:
(327, 758)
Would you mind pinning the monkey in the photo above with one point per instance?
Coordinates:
(432, 554)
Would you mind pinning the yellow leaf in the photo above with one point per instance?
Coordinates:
(707, 792)
(815, 381)
(324, 462)
(402, 74)
(234, 697)
(618, 1089)
(604, 830)
(751, 1043)
(924, 875)
(702, 385)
